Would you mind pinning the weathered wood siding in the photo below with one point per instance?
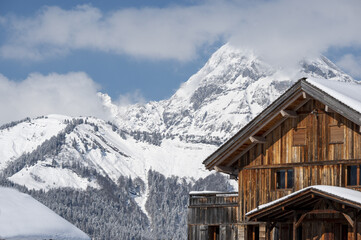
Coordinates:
(316, 162)
(210, 210)
(328, 230)
(200, 232)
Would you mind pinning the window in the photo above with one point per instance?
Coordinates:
(299, 137)
(337, 134)
(353, 175)
(284, 178)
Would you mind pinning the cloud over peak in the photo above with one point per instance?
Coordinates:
(72, 94)
(282, 28)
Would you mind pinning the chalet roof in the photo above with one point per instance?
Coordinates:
(343, 98)
(306, 197)
(347, 93)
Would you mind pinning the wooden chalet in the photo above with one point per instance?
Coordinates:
(298, 165)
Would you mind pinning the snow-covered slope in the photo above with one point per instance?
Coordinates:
(22, 217)
(25, 136)
(95, 145)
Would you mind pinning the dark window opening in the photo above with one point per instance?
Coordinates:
(352, 175)
(290, 178)
(281, 179)
(344, 232)
(256, 233)
(284, 178)
(252, 232)
(299, 233)
(213, 233)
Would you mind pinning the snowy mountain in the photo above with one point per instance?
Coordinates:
(170, 137)
(22, 217)
(231, 89)
(91, 144)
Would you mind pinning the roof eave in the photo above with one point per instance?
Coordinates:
(272, 109)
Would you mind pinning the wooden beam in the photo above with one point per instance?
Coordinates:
(294, 226)
(355, 227)
(236, 143)
(328, 109)
(300, 220)
(272, 128)
(331, 205)
(288, 113)
(306, 164)
(228, 170)
(323, 211)
(276, 208)
(304, 95)
(318, 204)
(323, 219)
(257, 139)
(349, 219)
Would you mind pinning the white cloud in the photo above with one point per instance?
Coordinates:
(281, 30)
(173, 32)
(130, 98)
(351, 65)
(72, 94)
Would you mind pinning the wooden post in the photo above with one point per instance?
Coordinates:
(355, 227)
(262, 232)
(242, 232)
(280, 231)
(294, 226)
(268, 231)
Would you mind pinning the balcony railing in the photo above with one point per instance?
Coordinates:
(209, 198)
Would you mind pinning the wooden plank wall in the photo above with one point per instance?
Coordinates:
(212, 215)
(200, 232)
(317, 162)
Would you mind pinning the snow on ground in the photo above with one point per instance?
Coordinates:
(133, 158)
(22, 217)
(110, 154)
(27, 136)
(44, 176)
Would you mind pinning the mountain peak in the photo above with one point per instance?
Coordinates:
(232, 87)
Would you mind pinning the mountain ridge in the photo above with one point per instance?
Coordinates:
(231, 89)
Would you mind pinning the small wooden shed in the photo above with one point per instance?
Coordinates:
(212, 215)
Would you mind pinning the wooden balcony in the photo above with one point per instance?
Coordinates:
(213, 208)
(215, 199)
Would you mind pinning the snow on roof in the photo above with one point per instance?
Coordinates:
(23, 217)
(348, 93)
(341, 192)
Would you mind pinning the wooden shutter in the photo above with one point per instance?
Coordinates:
(337, 134)
(299, 137)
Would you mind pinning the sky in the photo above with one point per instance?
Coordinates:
(56, 55)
